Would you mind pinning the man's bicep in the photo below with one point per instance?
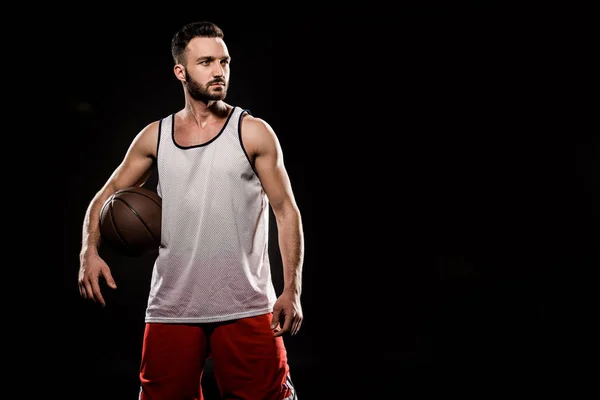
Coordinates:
(136, 166)
(277, 186)
(268, 162)
(274, 178)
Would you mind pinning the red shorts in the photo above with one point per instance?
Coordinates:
(248, 361)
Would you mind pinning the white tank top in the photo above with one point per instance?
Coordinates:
(213, 262)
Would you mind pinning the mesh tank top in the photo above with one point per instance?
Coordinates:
(213, 262)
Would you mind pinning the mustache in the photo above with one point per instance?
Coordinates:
(216, 81)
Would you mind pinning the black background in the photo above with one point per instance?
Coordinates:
(448, 186)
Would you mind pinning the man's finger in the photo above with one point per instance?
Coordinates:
(89, 293)
(97, 292)
(296, 326)
(286, 325)
(110, 280)
(275, 319)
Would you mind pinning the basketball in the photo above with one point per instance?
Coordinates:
(130, 221)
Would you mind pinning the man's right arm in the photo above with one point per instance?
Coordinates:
(134, 170)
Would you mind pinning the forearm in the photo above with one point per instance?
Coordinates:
(291, 247)
(91, 228)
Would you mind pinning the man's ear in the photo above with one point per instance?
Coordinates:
(179, 71)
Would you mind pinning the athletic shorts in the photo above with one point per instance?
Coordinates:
(249, 363)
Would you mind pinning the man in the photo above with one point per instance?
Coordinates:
(219, 169)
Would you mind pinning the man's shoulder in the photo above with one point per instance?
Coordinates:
(255, 124)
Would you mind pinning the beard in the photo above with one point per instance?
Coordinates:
(204, 93)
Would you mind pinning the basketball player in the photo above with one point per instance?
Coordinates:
(219, 169)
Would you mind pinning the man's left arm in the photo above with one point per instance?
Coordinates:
(268, 162)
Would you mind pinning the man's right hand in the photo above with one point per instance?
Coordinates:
(90, 271)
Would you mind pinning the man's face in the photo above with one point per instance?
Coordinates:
(207, 69)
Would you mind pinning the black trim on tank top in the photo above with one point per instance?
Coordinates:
(245, 110)
(201, 144)
(160, 123)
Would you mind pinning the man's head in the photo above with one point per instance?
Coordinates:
(201, 60)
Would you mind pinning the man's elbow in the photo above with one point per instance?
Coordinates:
(286, 211)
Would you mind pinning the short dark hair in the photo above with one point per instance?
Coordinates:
(192, 30)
